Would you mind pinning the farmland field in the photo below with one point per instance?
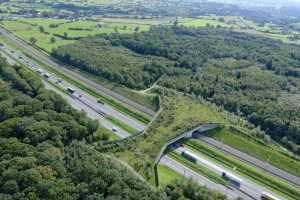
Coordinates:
(56, 28)
(243, 25)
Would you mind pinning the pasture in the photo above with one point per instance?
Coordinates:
(66, 31)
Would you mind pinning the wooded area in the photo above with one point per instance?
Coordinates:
(252, 76)
(46, 150)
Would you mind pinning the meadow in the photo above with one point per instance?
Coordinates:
(56, 28)
(243, 25)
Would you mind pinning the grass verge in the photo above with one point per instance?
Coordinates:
(273, 183)
(167, 175)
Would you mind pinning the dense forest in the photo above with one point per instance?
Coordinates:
(252, 76)
(46, 151)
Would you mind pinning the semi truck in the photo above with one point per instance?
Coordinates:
(235, 181)
(190, 156)
(266, 196)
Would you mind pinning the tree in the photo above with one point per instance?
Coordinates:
(65, 35)
(42, 29)
(33, 40)
(136, 29)
(52, 40)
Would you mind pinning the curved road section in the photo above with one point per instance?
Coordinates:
(64, 68)
(295, 180)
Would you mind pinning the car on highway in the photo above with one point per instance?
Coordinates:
(59, 80)
(46, 75)
(114, 129)
(71, 90)
(40, 71)
(100, 101)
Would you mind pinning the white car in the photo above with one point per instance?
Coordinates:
(114, 129)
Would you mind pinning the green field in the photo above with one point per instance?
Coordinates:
(243, 25)
(27, 28)
(263, 151)
(257, 175)
(167, 175)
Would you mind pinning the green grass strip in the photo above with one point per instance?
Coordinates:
(122, 125)
(216, 178)
(260, 177)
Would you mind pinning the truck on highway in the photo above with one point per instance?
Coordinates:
(71, 90)
(235, 181)
(190, 156)
(266, 196)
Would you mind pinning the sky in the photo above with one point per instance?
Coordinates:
(276, 3)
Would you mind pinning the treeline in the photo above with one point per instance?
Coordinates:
(117, 64)
(46, 151)
(252, 76)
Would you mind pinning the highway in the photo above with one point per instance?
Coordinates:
(231, 193)
(66, 70)
(252, 160)
(81, 95)
(82, 101)
(90, 113)
(248, 187)
(77, 100)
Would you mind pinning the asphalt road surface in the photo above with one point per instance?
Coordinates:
(231, 193)
(252, 160)
(90, 113)
(247, 186)
(65, 69)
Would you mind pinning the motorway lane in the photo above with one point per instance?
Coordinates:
(295, 180)
(92, 101)
(65, 69)
(247, 186)
(85, 98)
(90, 113)
(231, 193)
